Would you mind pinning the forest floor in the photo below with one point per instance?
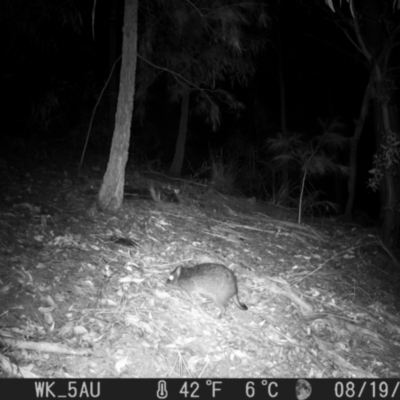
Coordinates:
(83, 293)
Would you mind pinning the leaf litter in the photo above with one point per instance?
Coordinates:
(83, 294)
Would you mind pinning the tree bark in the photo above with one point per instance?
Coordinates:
(376, 48)
(351, 183)
(176, 167)
(112, 190)
(389, 125)
(112, 57)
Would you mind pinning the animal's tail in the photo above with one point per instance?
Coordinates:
(239, 304)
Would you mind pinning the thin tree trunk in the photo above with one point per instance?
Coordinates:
(176, 167)
(112, 189)
(351, 183)
(389, 125)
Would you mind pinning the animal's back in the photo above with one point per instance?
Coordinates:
(214, 281)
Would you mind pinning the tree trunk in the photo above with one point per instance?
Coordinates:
(351, 183)
(377, 48)
(176, 167)
(112, 57)
(112, 189)
(389, 119)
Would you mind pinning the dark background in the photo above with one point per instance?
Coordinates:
(53, 71)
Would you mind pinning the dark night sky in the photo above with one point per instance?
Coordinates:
(66, 71)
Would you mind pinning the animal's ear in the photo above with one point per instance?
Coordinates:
(178, 272)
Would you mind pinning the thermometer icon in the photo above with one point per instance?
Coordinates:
(162, 390)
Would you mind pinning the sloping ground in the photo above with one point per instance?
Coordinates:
(76, 300)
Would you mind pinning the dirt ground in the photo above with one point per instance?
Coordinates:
(83, 293)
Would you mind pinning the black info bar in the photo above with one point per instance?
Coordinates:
(216, 389)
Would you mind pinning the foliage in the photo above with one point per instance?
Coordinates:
(28, 22)
(223, 173)
(387, 155)
(220, 173)
(374, 31)
(199, 44)
(315, 157)
(330, 4)
(313, 205)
